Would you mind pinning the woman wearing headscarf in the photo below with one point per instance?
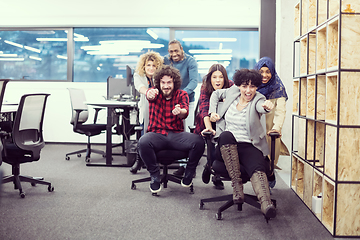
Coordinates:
(274, 90)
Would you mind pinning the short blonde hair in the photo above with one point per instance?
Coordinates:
(149, 56)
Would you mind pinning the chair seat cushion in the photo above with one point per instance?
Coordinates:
(167, 157)
(90, 129)
(16, 155)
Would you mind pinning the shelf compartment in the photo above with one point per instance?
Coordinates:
(349, 98)
(349, 152)
(307, 184)
(320, 143)
(310, 140)
(297, 21)
(294, 172)
(333, 44)
(333, 8)
(303, 56)
(310, 96)
(312, 50)
(321, 49)
(312, 14)
(322, 11)
(320, 97)
(350, 38)
(328, 204)
(303, 96)
(304, 16)
(354, 5)
(296, 96)
(330, 151)
(317, 189)
(301, 137)
(300, 179)
(348, 208)
(331, 97)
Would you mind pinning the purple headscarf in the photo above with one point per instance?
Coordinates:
(274, 88)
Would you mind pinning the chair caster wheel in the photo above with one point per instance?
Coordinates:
(79, 155)
(50, 188)
(67, 158)
(133, 186)
(87, 159)
(201, 206)
(33, 184)
(22, 195)
(218, 216)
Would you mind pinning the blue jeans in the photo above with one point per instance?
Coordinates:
(151, 142)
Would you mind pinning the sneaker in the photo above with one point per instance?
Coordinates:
(187, 179)
(155, 185)
(179, 172)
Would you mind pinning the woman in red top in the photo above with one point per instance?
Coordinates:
(216, 78)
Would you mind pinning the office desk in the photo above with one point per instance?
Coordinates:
(111, 105)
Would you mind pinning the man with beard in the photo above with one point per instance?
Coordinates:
(168, 107)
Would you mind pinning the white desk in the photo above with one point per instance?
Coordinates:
(110, 105)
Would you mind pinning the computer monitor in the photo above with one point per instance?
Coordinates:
(130, 82)
(117, 86)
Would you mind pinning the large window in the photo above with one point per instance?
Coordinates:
(94, 54)
(33, 54)
(109, 50)
(232, 49)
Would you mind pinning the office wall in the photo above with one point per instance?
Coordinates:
(184, 13)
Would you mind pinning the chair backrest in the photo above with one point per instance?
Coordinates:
(78, 99)
(3, 83)
(28, 122)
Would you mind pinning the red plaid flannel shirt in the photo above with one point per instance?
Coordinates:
(161, 119)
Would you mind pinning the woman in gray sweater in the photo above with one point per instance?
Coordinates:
(240, 132)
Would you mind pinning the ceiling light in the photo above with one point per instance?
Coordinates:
(209, 39)
(14, 44)
(213, 57)
(152, 34)
(61, 57)
(12, 59)
(32, 49)
(35, 58)
(8, 55)
(193, 51)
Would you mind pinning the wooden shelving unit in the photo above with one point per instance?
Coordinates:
(326, 117)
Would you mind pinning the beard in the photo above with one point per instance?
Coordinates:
(167, 93)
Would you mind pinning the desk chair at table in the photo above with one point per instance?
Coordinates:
(218, 168)
(79, 117)
(27, 140)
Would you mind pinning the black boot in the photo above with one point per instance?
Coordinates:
(137, 165)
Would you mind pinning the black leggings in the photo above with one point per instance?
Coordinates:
(251, 159)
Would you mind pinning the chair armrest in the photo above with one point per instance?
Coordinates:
(97, 109)
(273, 136)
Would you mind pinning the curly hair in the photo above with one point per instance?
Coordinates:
(149, 56)
(207, 79)
(244, 76)
(167, 70)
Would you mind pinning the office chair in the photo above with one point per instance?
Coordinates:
(27, 140)
(165, 158)
(4, 125)
(218, 168)
(79, 117)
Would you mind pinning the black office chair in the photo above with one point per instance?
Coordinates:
(26, 140)
(218, 168)
(5, 125)
(78, 119)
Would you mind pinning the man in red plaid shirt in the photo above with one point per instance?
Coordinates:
(168, 107)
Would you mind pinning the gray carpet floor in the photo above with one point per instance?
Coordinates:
(97, 203)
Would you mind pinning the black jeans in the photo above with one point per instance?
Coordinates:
(150, 143)
(251, 158)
